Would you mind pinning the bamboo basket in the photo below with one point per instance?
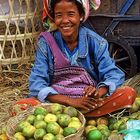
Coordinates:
(12, 123)
(20, 25)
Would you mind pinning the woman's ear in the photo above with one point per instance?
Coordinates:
(82, 18)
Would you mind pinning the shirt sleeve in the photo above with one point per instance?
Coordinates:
(39, 79)
(109, 74)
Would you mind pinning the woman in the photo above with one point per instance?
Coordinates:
(73, 66)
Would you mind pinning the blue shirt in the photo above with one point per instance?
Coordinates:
(91, 54)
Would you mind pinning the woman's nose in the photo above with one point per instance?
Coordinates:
(65, 19)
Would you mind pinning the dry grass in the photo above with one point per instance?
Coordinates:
(13, 86)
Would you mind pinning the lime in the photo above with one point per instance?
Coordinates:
(105, 132)
(40, 124)
(71, 111)
(68, 131)
(64, 120)
(102, 120)
(91, 122)
(89, 127)
(18, 136)
(94, 135)
(59, 137)
(40, 117)
(75, 119)
(102, 126)
(29, 131)
(53, 127)
(61, 130)
(56, 108)
(39, 134)
(21, 125)
(75, 124)
(31, 119)
(50, 118)
(49, 136)
(40, 110)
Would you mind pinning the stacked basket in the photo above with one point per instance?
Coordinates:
(19, 27)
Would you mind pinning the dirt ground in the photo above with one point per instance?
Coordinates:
(13, 86)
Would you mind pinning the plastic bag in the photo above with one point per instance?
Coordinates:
(133, 130)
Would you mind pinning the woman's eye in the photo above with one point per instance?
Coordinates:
(71, 14)
(58, 15)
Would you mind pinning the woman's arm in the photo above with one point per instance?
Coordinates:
(39, 79)
(85, 103)
(109, 74)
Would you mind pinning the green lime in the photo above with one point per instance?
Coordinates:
(40, 110)
(29, 131)
(39, 134)
(59, 137)
(53, 127)
(71, 111)
(39, 117)
(22, 125)
(69, 130)
(49, 136)
(31, 119)
(64, 120)
(56, 108)
(94, 135)
(40, 124)
(19, 136)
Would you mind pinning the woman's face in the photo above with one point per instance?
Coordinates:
(67, 18)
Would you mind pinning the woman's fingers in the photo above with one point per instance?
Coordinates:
(89, 90)
(89, 103)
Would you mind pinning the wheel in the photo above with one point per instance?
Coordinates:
(124, 55)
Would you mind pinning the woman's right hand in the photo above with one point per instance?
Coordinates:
(84, 103)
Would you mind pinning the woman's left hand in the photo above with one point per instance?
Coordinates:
(91, 91)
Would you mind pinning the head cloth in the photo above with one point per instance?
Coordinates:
(85, 3)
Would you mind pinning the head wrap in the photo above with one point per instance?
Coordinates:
(85, 3)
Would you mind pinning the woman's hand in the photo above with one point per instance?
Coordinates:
(84, 103)
(91, 91)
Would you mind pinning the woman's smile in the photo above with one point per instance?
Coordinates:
(67, 19)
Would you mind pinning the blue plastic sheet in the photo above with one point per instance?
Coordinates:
(133, 130)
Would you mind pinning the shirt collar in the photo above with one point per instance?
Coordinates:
(82, 43)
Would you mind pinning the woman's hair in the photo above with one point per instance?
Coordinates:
(54, 2)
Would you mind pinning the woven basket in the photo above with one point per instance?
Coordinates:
(12, 123)
(20, 25)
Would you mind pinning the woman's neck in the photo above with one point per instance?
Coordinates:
(71, 42)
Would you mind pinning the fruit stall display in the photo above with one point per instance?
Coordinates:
(47, 122)
(108, 128)
(57, 122)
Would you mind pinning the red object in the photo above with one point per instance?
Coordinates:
(23, 104)
(31, 101)
(122, 98)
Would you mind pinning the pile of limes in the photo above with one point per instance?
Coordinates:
(104, 128)
(54, 124)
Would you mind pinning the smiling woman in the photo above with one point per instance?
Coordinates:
(67, 19)
(73, 66)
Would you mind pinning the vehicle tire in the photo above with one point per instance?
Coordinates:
(124, 55)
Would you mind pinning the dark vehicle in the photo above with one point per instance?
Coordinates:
(119, 22)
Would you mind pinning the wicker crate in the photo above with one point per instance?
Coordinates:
(12, 123)
(20, 25)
